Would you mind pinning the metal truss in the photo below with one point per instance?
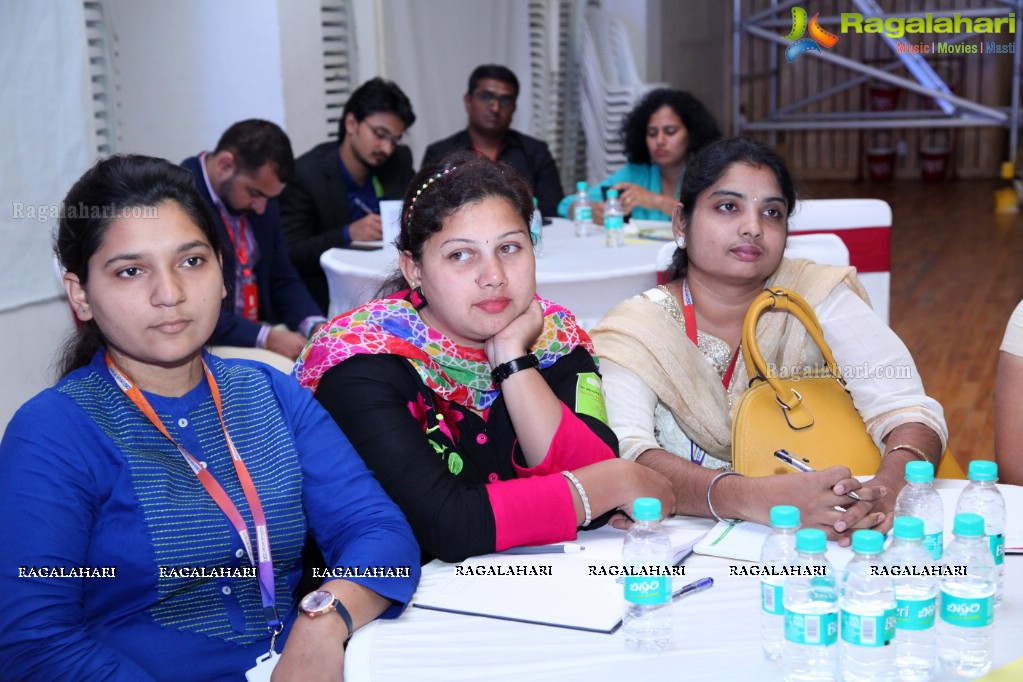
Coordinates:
(952, 110)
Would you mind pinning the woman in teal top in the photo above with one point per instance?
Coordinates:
(661, 133)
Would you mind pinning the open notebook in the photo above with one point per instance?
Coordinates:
(572, 596)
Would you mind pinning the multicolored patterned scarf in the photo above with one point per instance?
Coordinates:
(456, 373)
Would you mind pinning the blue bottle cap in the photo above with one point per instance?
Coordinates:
(581, 186)
(867, 542)
(785, 516)
(909, 528)
(646, 509)
(983, 470)
(612, 194)
(811, 540)
(919, 472)
(968, 525)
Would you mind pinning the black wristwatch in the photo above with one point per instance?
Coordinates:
(506, 369)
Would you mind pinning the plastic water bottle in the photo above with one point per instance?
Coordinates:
(919, 498)
(582, 210)
(779, 550)
(614, 219)
(867, 604)
(811, 612)
(536, 230)
(915, 598)
(967, 601)
(982, 496)
(647, 620)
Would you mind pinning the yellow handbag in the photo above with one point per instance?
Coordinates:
(810, 415)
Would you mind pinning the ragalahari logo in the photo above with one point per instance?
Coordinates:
(818, 36)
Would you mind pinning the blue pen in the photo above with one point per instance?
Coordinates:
(692, 588)
(362, 204)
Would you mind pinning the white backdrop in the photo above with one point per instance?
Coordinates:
(46, 137)
(430, 48)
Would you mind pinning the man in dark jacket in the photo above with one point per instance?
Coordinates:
(490, 104)
(335, 196)
(240, 180)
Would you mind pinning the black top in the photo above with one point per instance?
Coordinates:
(314, 208)
(373, 398)
(529, 156)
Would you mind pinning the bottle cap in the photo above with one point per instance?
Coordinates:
(968, 525)
(646, 509)
(785, 516)
(919, 472)
(612, 194)
(867, 542)
(909, 528)
(983, 470)
(581, 186)
(535, 203)
(811, 540)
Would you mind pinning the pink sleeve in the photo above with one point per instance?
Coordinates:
(574, 445)
(532, 511)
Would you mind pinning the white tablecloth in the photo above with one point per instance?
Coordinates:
(580, 273)
(716, 637)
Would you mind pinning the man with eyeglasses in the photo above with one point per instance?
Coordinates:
(334, 199)
(490, 104)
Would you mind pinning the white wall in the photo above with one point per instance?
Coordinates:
(188, 69)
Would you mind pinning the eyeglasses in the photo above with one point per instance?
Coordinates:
(487, 98)
(384, 135)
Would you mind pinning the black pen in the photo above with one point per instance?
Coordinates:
(692, 588)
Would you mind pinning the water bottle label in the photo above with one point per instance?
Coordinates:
(997, 548)
(966, 612)
(771, 598)
(584, 213)
(868, 630)
(614, 222)
(933, 543)
(648, 590)
(803, 628)
(822, 588)
(915, 614)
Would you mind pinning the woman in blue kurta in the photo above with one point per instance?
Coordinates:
(156, 500)
(663, 131)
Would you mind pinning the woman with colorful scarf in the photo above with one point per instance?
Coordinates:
(476, 403)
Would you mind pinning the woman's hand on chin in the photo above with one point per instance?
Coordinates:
(517, 338)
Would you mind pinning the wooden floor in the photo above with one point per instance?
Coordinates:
(957, 274)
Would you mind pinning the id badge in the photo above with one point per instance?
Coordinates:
(264, 667)
(250, 301)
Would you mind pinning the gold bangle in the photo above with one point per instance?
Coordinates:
(909, 448)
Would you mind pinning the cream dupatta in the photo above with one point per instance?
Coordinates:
(643, 337)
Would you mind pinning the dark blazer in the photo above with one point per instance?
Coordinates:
(314, 208)
(282, 296)
(529, 156)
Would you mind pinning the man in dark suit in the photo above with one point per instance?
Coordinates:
(490, 104)
(335, 196)
(240, 180)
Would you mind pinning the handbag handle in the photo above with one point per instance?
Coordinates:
(789, 301)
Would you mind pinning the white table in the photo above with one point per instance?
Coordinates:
(580, 273)
(716, 636)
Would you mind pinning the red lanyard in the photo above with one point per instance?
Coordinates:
(215, 490)
(689, 312)
(241, 245)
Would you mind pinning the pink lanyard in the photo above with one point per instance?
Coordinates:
(216, 491)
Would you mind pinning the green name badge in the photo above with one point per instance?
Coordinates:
(589, 399)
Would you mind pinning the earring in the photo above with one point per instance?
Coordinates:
(680, 241)
(417, 298)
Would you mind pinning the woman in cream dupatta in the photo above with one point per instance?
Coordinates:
(670, 401)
